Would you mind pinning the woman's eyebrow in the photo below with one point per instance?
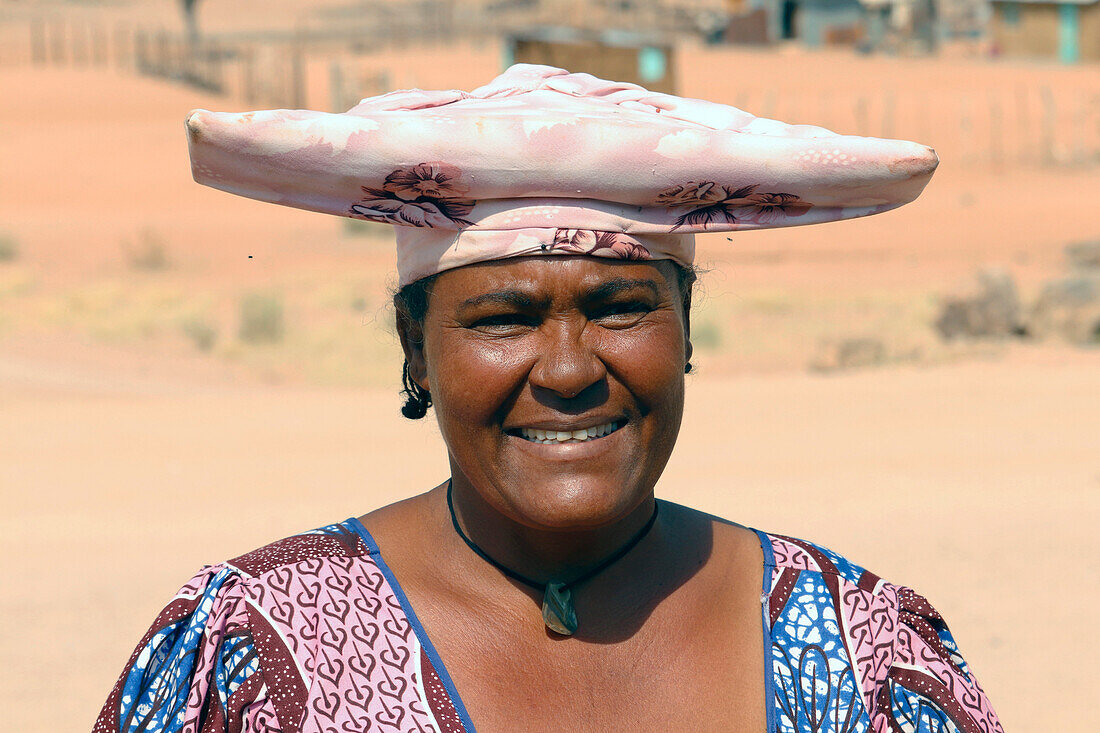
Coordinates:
(514, 298)
(605, 289)
(608, 288)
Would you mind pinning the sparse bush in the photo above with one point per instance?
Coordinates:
(9, 248)
(1084, 256)
(992, 312)
(148, 253)
(848, 353)
(1068, 307)
(706, 335)
(201, 332)
(261, 318)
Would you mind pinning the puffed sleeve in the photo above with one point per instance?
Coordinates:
(196, 669)
(929, 687)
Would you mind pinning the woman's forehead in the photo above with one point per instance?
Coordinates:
(552, 275)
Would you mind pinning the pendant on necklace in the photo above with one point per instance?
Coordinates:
(557, 609)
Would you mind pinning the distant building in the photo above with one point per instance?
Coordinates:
(1067, 30)
(813, 22)
(896, 25)
(639, 58)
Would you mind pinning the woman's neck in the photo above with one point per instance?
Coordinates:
(543, 554)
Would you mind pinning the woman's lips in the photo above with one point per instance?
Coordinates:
(581, 435)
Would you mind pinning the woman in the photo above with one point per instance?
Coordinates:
(544, 231)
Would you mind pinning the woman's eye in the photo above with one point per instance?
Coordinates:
(623, 312)
(503, 321)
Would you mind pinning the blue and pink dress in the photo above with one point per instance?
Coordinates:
(313, 634)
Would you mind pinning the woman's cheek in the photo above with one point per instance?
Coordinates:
(480, 374)
(649, 358)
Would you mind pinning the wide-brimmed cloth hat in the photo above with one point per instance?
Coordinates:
(542, 161)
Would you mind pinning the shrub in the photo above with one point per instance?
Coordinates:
(149, 253)
(706, 335)
(1084, 255)
(991, 312)
(261, 318)
(9, 248)
(201, 332)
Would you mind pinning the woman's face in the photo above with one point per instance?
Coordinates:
(520, 353)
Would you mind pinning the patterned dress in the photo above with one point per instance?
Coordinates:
(313, 634)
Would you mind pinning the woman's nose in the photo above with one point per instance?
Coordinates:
(568, 365)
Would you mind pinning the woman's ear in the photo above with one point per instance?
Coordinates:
(411, 335)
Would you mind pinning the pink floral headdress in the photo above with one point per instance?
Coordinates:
(541, 161)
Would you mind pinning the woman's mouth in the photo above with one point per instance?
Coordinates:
(582, 435)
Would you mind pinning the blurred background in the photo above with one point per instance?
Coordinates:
(186, 375)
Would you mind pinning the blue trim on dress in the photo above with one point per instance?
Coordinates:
(765, 598)
(421, 634)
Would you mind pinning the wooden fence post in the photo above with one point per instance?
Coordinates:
(248, 80)
(336, 86)
(122, 59)
(57, 42)
(996, 131)
(825, 111)
(78, 39)
(1050, 116)
(218, 55)
(862, 123)
(966, 129)
(297, 76)
(1080, 120)
(38, 41)
(159, 56)
(769, 104)
(142, 61)
(1094, 105)
(924, 106)
(1023, 123)
(889, 103)
(99, 45)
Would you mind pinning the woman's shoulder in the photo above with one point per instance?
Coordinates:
(306, 551)
(884, 639)
(791, 555)
(211, 652)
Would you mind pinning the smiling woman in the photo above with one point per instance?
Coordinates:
(558, 345)
(544, 253)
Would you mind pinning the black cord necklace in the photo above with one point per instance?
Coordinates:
(557, 600)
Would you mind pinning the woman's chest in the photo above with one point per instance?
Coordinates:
(683, 669)
(686, 687)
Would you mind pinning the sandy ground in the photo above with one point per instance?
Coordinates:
(974, 483)
(128, 459)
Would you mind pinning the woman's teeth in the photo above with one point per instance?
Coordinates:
(549, 437)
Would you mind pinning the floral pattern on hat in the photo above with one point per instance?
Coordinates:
(430, 180)
(706, 203)
(589, 242)
(425, 195)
